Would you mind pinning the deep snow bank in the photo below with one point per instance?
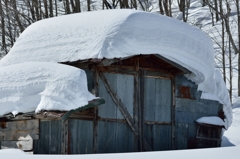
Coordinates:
(36, 86)
(116, 34)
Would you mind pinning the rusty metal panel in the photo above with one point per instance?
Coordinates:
(50, 138)
(115, 137)
(80, 136)
(124, 87)
(158, 136)
(157, 99)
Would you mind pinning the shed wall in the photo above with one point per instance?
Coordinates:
(189, 107)
(113, 132)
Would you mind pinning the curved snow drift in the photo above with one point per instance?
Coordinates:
(36, 86)
(120, 33)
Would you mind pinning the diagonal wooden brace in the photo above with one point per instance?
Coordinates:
(123, 110)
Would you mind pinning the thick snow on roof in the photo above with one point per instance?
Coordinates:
(36, 86)
(116, 34)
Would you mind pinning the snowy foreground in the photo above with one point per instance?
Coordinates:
(219, 153)
(231, 138)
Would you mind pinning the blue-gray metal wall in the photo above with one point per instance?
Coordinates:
(190, 109)
(157, 108)
(117, 136)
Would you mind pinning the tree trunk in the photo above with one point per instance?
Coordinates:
(16, 14)
(2, 27)
(165, 4)
(51, 8)
(35, 5)
(46, 8)
(238, 14)
(216, 9)
(230, 70)
(78, 6)
(73, 6)
(67, 7)
(89, 5)
(56, 8)
(161, 7)
(223, 43)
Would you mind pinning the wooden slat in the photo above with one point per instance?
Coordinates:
(95, 118)
(205, 138)
(11, 131)
(64, 145)
(123, 110)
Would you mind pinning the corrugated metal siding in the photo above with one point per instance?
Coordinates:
(157, 107)
(157, 99)
(115, 137)
(80, 136)
(50, 138)
(158, 136)
(124, 87)
(189, 110)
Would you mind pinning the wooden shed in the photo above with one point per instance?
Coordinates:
(150, 105)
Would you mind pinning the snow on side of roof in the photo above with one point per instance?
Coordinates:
(116, 34)
(36, 86)
(219, 93)
(213, 120)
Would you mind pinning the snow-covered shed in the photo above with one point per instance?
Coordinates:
(155, 73)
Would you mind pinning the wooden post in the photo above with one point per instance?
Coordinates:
(141, 105)
(95, 120)
(123, 110)
(173, 112)
(64, 143)
(137, 103)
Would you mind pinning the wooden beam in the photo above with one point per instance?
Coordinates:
(173, 112)
(123, 110)
(13, 130)
(142, 73)
(137, 102)
(95, 118)
(173, 63)
(64, 142)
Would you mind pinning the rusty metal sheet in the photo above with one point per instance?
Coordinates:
(184, 92)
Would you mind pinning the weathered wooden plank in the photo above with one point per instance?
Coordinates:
(123, 110)
(137, 102)
(173, 115)
(95, 90)
(157, 123)
(141, 116)
(14, 129)
(64, 149)
(205, 138)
